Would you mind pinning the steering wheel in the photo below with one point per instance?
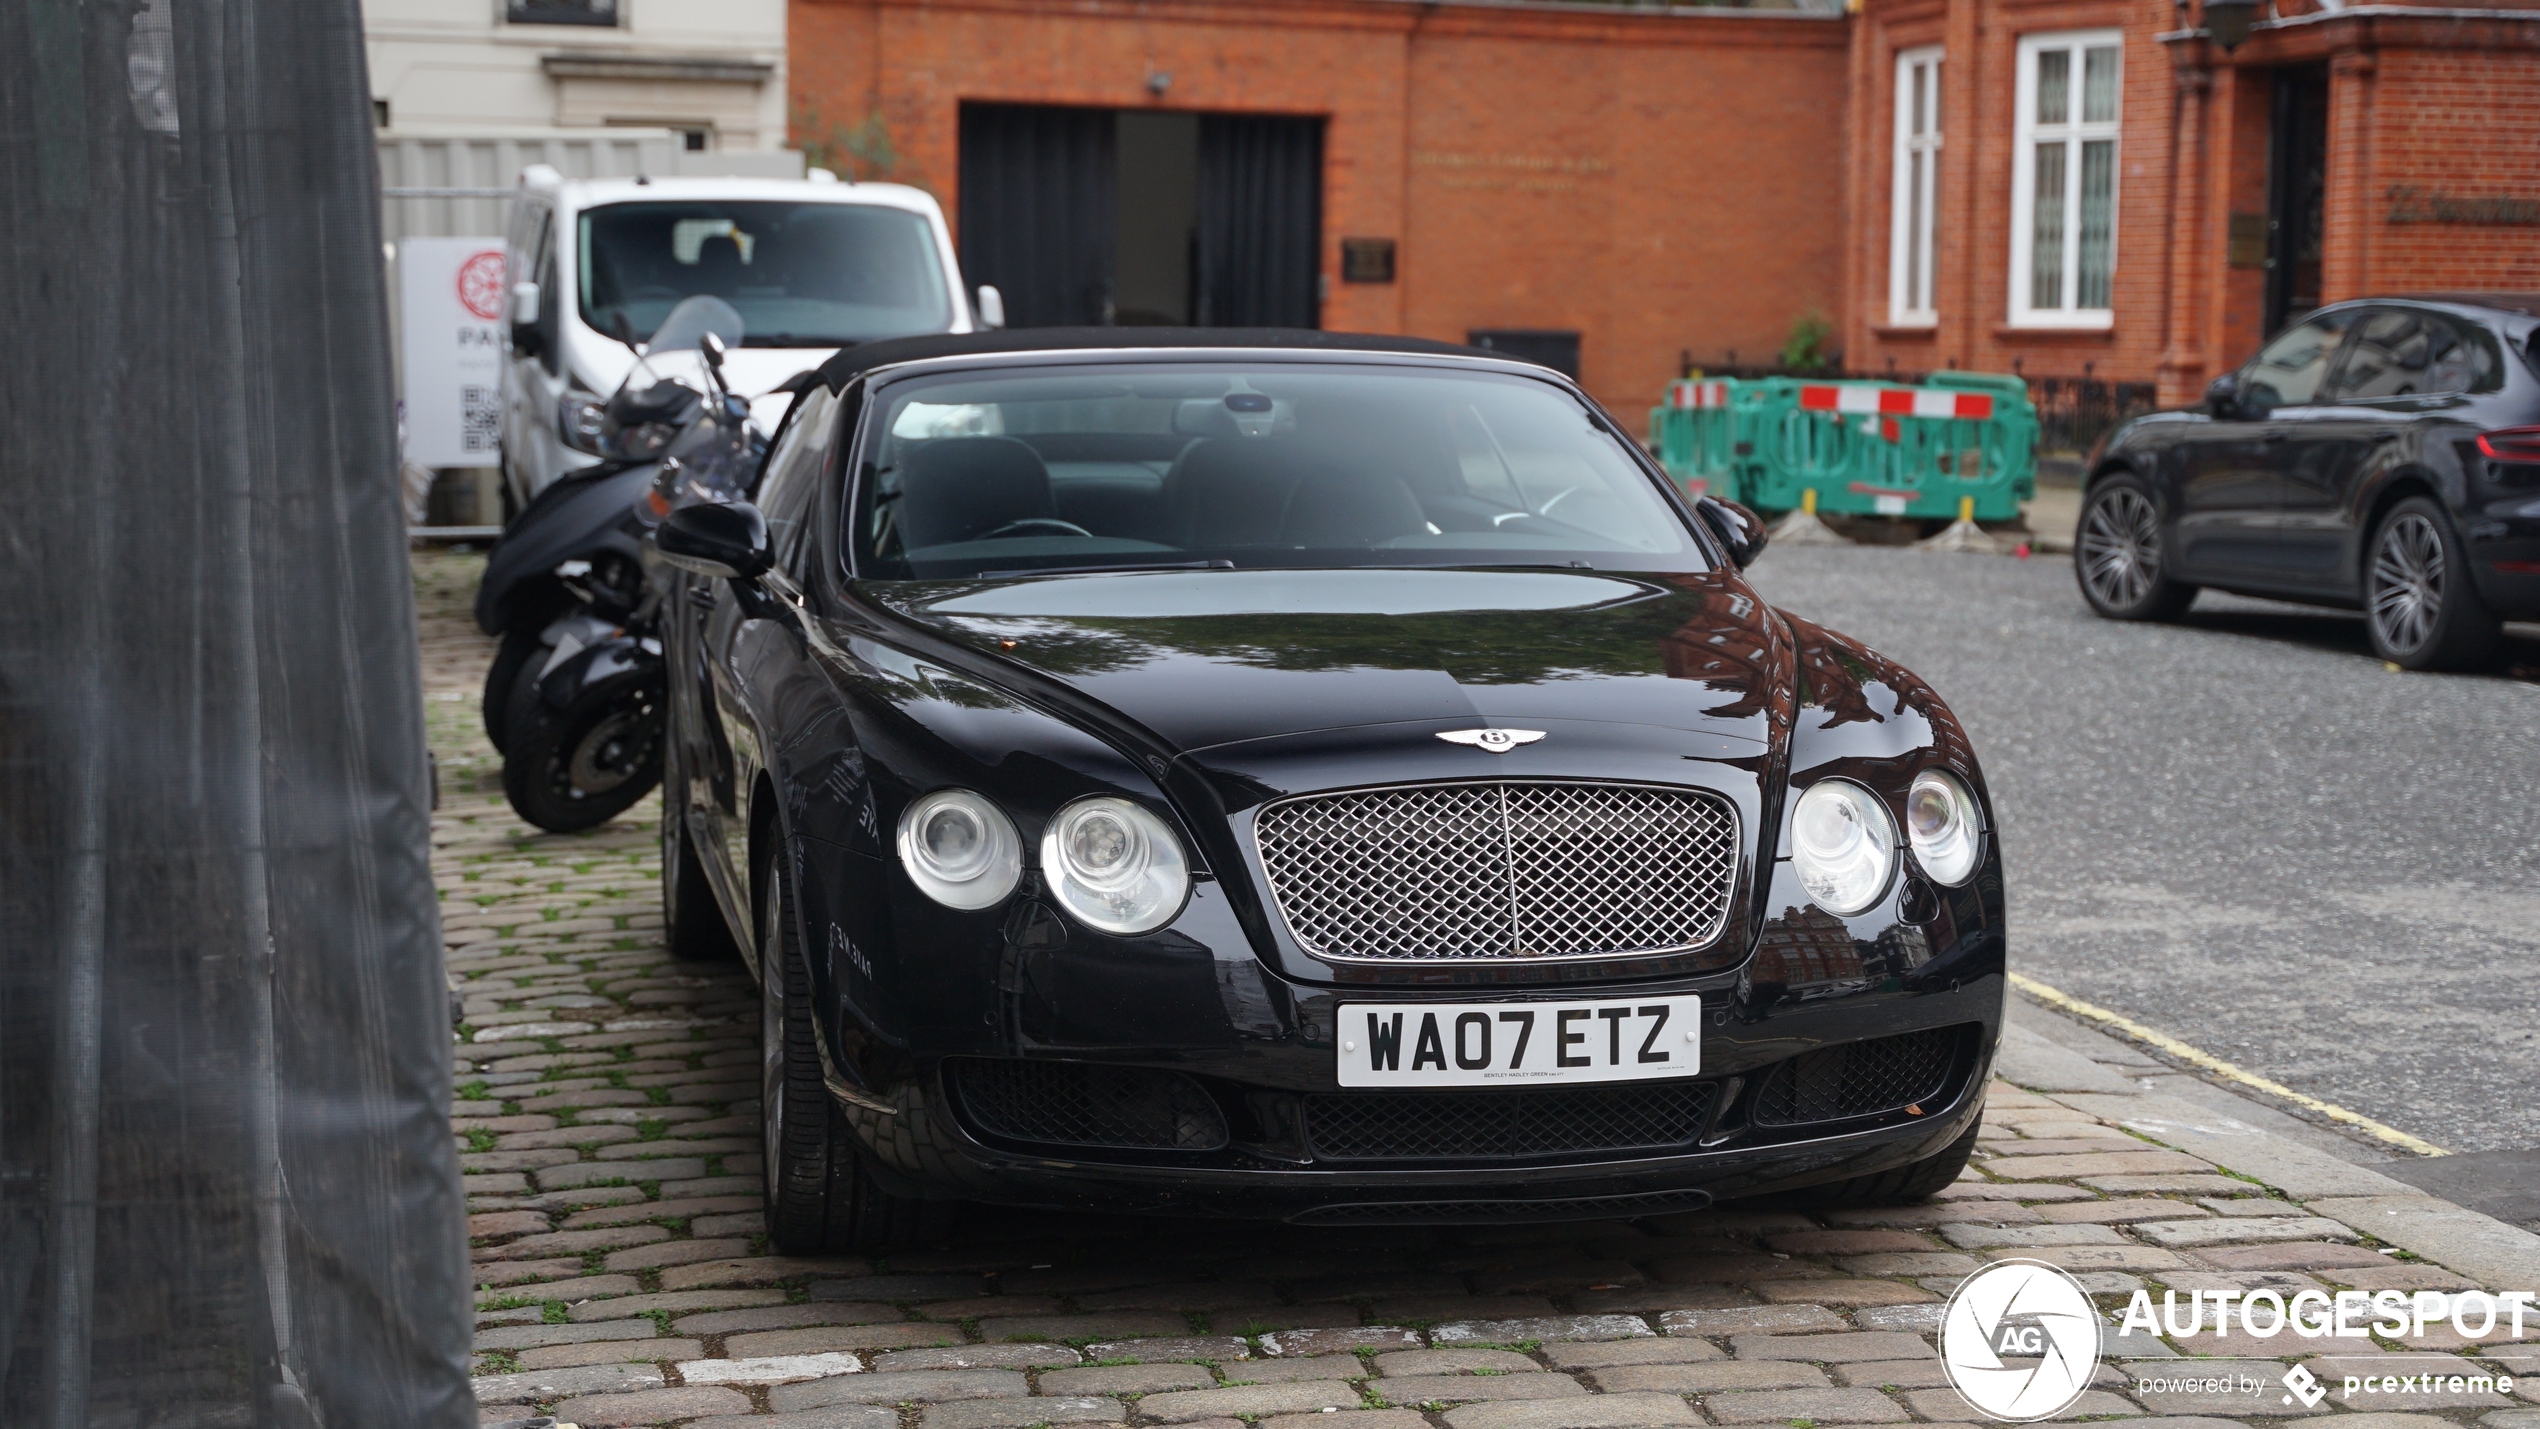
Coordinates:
(1034, 526)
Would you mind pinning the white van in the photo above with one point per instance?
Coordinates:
(811, 265)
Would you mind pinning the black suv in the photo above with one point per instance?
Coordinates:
(2381, 455)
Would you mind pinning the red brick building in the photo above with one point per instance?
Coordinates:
(2083, 185)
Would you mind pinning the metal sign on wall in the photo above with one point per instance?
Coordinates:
(450, 306)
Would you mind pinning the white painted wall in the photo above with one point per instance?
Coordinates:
(452, 66)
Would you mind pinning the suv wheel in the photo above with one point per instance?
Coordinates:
(821, 1198)
(2118, 557)
(2418, 601)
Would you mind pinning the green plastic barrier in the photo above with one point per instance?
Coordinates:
(1868, 448)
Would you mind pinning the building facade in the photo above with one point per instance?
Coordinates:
(710, 71)
(2059, 188)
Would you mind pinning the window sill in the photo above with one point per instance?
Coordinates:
(2024, 332)
(1905, 332)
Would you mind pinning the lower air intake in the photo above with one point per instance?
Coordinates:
(1504, 1125)
(1079, 1104)
(1501, 1211)
(1858, 1079)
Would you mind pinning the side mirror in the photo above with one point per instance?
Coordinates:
(1739, 529)
(716, 540)
(991, 306)
(2222, 396)
(710, 347)
(525, 319)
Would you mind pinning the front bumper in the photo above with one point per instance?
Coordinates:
(1250, 1054)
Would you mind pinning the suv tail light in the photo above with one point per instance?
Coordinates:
(2511, 444)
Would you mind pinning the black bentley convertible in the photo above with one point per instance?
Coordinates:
(1307, 777)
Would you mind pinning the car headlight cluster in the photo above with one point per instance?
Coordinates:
(1109, 862)
(1115, 866)
(1942, 822)
(960, 850)
(1844, 845)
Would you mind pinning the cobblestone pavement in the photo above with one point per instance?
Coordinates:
(608, 1122)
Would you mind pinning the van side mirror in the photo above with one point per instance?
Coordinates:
(525, 319)
(2222, 396)
(991, 306)
(710, 539)
(1739, 529)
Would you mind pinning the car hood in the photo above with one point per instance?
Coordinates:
(1208, 660)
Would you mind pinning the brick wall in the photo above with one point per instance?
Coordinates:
(1659, 182)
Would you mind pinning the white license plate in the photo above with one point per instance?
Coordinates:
(1888, 505)
(1489, 1044)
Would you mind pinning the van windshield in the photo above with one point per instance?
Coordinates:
(1288, 464)
(800, 274)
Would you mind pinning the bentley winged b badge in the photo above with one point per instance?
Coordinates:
(1497, 741)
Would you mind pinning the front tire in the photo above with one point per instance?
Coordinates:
(2419, 603)
(821, 1198)
(2119, 557)
(518, 648)
(576, 768)
(1905, 1185)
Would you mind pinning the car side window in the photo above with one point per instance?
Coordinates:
(2290, 371)
(785, 494)
(2401, 352)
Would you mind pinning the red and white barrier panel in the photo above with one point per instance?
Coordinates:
(1697, 395)
(1897, 402)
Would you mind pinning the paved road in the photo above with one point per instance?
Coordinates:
(2242, 829)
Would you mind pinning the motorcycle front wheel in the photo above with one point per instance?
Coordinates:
(576, 768)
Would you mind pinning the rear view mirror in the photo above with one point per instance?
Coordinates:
(525, 319)
(729, 541)
(991, 307)
(1739, 529)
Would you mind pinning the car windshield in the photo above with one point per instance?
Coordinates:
(1275, 464)
(800, 274)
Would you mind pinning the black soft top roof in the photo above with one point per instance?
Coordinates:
(864, 357)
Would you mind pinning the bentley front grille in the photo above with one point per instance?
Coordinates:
(1448, 871)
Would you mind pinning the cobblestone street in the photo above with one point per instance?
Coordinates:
(608, 1123)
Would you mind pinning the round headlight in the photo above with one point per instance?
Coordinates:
(1941, 822)
(1843, 844)
(961, 850)
(1115, 866)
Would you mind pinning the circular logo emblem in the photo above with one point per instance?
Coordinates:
(2020, 1340)
(481, 285)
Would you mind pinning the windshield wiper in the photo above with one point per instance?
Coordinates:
(1100, 570)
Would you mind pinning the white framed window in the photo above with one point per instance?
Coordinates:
(2064, 179)
(1913, 222)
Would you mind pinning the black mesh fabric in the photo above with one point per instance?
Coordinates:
(1079, 1104)
(228, 1193)
(1501, 1125)
(1883, 1074)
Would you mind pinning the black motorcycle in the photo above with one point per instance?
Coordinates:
(574, 699)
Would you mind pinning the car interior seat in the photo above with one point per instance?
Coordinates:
(961, 488)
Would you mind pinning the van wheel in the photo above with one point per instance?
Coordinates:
(2423, 611)
(821, 1198)
(2118, 556)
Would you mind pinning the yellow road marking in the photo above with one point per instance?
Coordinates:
(2219, 1067)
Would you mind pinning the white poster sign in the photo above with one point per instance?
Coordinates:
(450, 310)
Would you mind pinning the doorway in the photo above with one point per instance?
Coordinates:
(1102, 217)
(2297, 191)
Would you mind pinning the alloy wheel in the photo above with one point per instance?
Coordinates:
(2406, 595)
(2121, 548)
